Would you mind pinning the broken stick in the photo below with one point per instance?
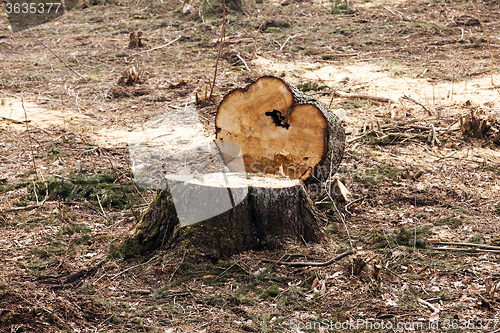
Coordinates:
(363, 96)
(314, 264)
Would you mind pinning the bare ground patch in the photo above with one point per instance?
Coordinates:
(61, 267)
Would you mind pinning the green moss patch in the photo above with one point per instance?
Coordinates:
(85, 186)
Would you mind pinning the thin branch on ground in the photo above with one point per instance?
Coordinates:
(234, 264)
(17, 209)
(255, 42)
(58, 57)
(465, 249)
(22, 122)
(132, 267)
(363, 96)
(494, 139)
(429, 305)
(312, 264)
(176, 268)
(352, 203)
(286, 41)
(160, 47)
(481, 246)
(123, 190)
(100, 205)
(417, 102)
(29, 138)
(487, 40)
(244, 62)
(222, 34)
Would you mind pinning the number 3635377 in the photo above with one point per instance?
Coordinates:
(32, 8)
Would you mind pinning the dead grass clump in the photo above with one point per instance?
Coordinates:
(136, 40)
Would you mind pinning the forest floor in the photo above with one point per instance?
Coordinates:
(68, 197)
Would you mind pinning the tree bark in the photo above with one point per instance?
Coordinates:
(263, 213)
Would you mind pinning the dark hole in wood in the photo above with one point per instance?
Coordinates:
(278, 119)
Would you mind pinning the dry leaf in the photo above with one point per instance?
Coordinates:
(342, 191)
(314, 285)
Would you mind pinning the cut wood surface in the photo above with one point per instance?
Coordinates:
(239, 213)
(277, 127)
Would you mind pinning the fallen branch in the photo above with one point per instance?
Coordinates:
(313, 264)
(17, 209)
(243, 60)
(160, 47)
(255, 42)
(481, 246)
(398, 14)
(417, 102)
(359, 137)
(58, 57)
(496, 138)
(132, 267)
(487, 40)
(362, 96)
(29, 137)
(286, 41)
(352, 203)
(473, 250)
(222, 35)
(22, 122)
(15, 121)
(432, 307)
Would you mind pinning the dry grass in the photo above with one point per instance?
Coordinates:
(62, 268)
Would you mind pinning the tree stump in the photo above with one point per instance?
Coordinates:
(239, 213)
(279, 129)
(272, 138)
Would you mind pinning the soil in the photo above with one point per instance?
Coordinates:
(62, 269)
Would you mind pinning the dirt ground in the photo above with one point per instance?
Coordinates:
(67, 197)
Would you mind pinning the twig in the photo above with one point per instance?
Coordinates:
(218, 276)
(463, 249)
(220, 49)
(352, 203)
(487, 39)
(340, 215)
(123, 190)
(100, 205)
(497, 137)
(432, 307)
(9, 159)
(358, 137)
(243, 60)
(362, 96)
(417, 102)
(135, 266)
(58, 57)
(29, 137)
(286, 41)
(313, 264)
(176, 268)
(20, 208)
(256, 36)
(481, 246)
(15, 121)
(398, 14)
(160, 47)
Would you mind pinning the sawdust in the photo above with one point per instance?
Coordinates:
(12, 109)
(382, 80)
